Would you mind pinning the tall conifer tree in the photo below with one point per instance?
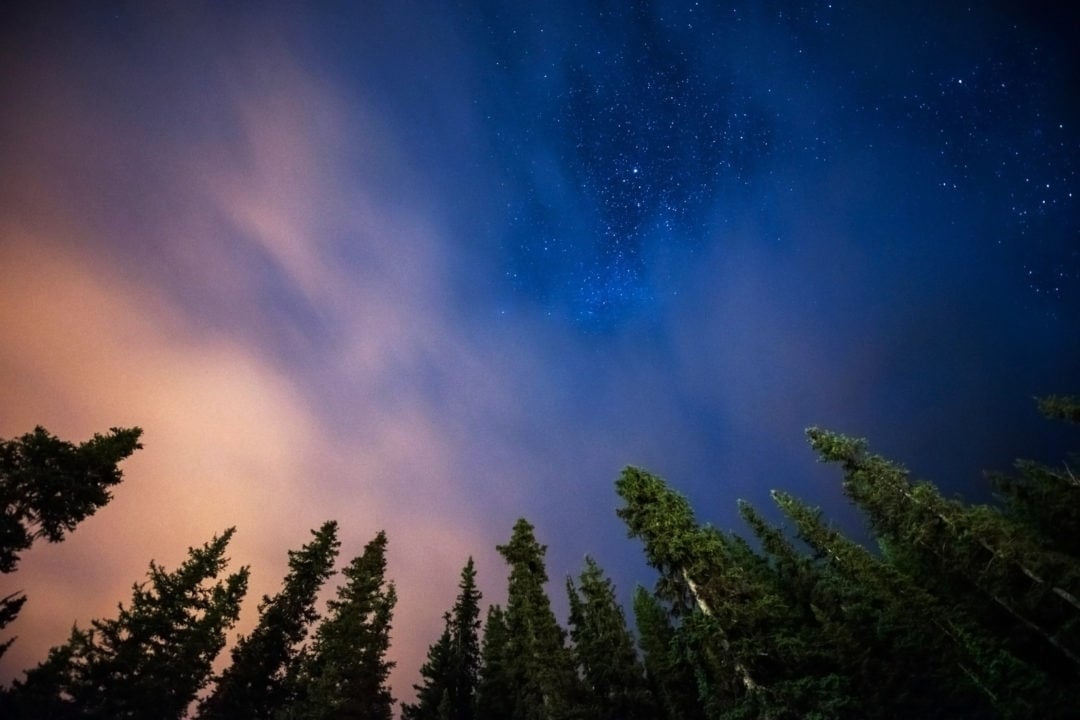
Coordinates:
(465, 637)
(153, 658)
(1046, 499)
(715, 598)
(746, 638)
(344, 676)
(906, 651)
(253, 686)
(47, 487)
(433, 694)
(494, 691)
(671, 681)
(604, 650)
(448, 691)
(540, 667)
(956, 546)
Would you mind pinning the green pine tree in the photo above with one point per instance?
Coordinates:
(433, 694)
(805, 672)
(671, 681)
(344, 676)
(719, 601)
(1060, 407)
(604, 650)
(905, 652)
(1044, 499)
(737, 618)
(540, 668)
(47, 487)
(152, 660)
(253, 685)
(975, 556)
(450, 674)
(494, 690)
(465, 636)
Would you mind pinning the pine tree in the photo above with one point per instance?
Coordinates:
(344, 676)
(671, 682)
(253, 686)
(1060, 407)
(905, 651)
(47, 487)
(465, 636)
(805, 670)
(450, 673)
(1034, 588)
(718, 600)
(1044, 499)
(433, 694)
(743, 622)
(494, 691)
(540, 668)
(149, 662)
(604, 650)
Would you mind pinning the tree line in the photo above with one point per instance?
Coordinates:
(959, 611)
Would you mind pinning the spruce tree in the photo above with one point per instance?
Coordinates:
(344, 676)
(718, 600)
(494, 690)
(465, 637)
(540, 669)
(604, 650)
(47, 487)
(433, 694)
(152, 660)
(752, 642)
(805, 669)
(1024, 583)
(905, 651)
(1060, 407)
(253, 685)
(671, 682)
(450, 673)
(1045, 499)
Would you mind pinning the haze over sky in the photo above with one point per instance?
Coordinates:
(432, 266)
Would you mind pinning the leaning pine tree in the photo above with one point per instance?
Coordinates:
(253, 685)
(715, 601)
(732, 624)
(152, 659)
(1002, 569)
(47, 487)
(344, 674)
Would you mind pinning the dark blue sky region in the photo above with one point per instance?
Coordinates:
(631, 129)
(432, 266)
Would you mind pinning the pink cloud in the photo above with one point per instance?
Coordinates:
(95, 337)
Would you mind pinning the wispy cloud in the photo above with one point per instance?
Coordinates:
(186, 300)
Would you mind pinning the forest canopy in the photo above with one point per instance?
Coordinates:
(957, 610)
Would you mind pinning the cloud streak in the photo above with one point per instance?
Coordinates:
(251, 300)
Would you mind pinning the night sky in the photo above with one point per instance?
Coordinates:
(430, 267)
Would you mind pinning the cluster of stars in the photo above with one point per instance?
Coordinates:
(650, 125)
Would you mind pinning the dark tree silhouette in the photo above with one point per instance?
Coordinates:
(47, 487)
